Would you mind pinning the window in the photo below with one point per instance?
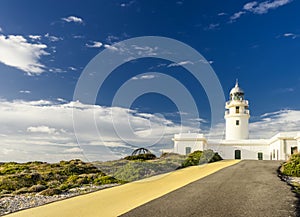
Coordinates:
(237, 122)
(294, 150)
(188, 150)
(237, 109)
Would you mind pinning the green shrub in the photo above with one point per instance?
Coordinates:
(292, 166)
(22, 190)
(209, 156)
(192, 159)
(51, 192)
(37, 188)
(200, 157)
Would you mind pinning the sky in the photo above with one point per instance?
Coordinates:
(53, 55)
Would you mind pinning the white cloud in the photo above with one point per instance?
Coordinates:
(259, 8)
(17, 52)
(271, 123)
(182, 63)
(1, 30)
(111, 47)
(74, 150)
(35, 37)
(143, 77)
(290, 35)
(212, 26)
(72, 19)
(249, 5)
(53, 38)
(25, 91)
(95, 44)
(222, 14)
(72, 68)
(127, 4)
(265, 6)
(237, 15)
(42, 129)
(78, 36)
(57, 70)
(61, 100)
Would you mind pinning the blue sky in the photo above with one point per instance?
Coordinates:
(45, 46)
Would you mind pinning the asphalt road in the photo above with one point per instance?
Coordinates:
(249, 188)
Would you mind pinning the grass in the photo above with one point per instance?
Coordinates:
(49, 179)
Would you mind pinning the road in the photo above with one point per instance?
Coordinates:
(249, 188)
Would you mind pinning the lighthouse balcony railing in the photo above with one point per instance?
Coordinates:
(227, 112)
(240, 101)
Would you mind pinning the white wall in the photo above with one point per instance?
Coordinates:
(248, 152)
(180, 146)
(237, 132)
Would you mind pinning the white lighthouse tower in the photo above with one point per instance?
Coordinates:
(237, 115)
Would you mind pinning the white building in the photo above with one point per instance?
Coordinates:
(237, 144)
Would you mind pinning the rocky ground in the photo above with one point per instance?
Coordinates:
(13, 203)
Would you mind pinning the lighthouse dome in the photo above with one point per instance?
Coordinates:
(236, 89)
(237, 93)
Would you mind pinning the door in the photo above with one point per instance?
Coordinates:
(260, 156)
(237, 154)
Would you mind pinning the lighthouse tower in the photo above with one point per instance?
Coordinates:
(237, 115)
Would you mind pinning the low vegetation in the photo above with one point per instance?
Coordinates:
(138, 168)
(201, 157)
(56, 178)
(49, 179)
(292, 166)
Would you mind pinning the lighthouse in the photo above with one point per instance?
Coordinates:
(237, 115)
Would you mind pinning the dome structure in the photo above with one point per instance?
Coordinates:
(237, 93)
(140, 151)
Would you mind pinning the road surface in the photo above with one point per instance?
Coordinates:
(249, 188)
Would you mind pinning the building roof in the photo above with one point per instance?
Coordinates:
(236, 88)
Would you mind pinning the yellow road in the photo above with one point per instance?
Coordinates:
(118, 200)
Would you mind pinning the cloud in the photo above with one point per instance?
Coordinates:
(181, 63)
(272, 123)
(111, 47)
(53, 38)
(127, 4)
(237, 15)
(74, 150)
(111, 39)
(259, 8)
(290, 35)
(43, 130)
(213, 26)
(1, 30)
(222, 14)
(73, 19)
(265, 6)
(17, 52)
(57, 70)
(35, 37)
(143, 77)
(95, 44)
(249, 6)
(25, 91)
(72, 68)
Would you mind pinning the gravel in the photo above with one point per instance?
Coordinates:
(13, 203)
